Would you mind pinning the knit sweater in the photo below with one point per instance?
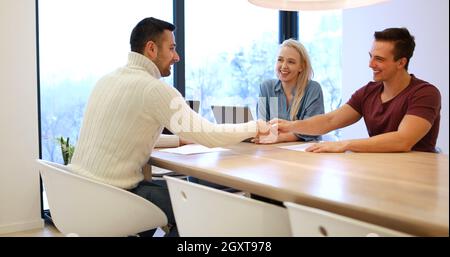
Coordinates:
(123, 120)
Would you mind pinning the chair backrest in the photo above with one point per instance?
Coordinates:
(205, 211)
(311, 222)
(86, 207)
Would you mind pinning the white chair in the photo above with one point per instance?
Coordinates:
(311, 222)
(84, 207)
(205, 211)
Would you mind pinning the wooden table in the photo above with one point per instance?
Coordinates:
(408, 192)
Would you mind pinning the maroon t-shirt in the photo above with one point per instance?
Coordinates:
(420, 98)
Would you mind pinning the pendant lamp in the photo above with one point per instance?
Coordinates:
(312, 5)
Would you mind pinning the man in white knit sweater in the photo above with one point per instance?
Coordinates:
(128, 109)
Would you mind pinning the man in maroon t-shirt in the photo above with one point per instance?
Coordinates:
(401, 112)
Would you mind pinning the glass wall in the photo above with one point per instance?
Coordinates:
(230, 50)
(80, 41)
(321, 33)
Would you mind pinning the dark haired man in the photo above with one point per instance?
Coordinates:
(128, 109)
(401, 112)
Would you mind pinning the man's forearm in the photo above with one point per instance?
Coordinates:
(384, 143)
(317, 125)
(287, 137)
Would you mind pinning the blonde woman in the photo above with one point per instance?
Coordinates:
(293, 95)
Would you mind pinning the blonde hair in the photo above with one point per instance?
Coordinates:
(303, 77)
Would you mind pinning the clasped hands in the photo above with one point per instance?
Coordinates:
(278, 131)
(267, 133)
(274, 131)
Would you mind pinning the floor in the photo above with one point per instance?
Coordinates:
(50, 230)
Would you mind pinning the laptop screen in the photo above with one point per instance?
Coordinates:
(231, 114)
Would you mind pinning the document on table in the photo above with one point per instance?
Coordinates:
(298, 147)
(302, 147)
(193, 149)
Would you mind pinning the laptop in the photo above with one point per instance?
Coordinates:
(194, 104)
(231, 114)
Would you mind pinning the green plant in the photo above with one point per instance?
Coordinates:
(66, 149)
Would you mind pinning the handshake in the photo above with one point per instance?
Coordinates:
(268, 132)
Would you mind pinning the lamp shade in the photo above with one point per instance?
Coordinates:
(313, 5)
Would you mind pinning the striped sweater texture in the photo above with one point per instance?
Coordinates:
(124, 118)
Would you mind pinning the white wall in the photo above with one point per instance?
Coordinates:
(19, 180)
(428, 21)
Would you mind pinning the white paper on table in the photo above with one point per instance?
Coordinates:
(193, 149)
(298, 147)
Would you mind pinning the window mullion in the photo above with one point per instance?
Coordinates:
(288, 25)
(179, 77)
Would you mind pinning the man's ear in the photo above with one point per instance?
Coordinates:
(402, 62)
(151, 50)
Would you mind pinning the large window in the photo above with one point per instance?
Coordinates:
(321, 33)
(230, 50)
(80, 41)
